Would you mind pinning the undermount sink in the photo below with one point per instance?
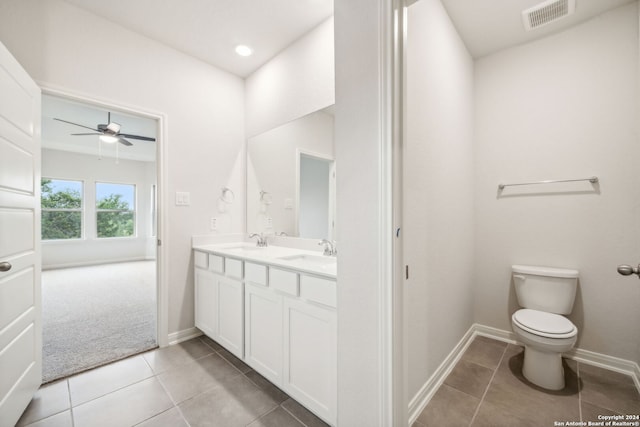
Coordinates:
(311, 259)
(244, 249)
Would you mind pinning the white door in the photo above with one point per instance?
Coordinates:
(20, 307)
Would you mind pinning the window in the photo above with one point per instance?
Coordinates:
(115, 210)
(61, 203)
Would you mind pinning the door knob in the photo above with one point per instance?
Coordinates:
(5, 266)
(627, 270)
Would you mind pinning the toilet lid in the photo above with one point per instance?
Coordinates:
(543, 323)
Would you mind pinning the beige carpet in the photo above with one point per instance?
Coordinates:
(97, 314)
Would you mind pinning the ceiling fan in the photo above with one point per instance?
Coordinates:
(109, 132)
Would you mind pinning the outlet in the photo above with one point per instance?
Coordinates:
(288, 203)
(268, 222)
(213, 224)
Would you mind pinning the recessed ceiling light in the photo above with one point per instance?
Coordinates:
(243, 50)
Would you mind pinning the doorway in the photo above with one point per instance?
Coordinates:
(316, 193)
(99, 235)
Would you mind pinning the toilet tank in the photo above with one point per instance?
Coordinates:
(545, 288)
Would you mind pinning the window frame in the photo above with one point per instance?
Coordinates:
(133, 210)
(80, 210)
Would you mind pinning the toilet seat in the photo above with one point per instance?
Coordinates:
(544, 324)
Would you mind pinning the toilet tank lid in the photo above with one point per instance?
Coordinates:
(544, 271)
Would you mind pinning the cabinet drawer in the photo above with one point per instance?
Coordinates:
(233, 268)
(201, 259)
(216, 263)
(255, 273)
(285, 281)
(318, 290)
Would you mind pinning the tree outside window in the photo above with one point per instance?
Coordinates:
(61, 202)
(115, 210)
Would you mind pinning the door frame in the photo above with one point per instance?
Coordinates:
(162, 198)
(332, 188)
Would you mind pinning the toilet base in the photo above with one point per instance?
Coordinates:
(543, 368)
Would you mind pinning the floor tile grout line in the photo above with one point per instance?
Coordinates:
(182, 415)
(263, 415)
(175, 405)
(111, 392)
(207, 390)
(146, 361)
(73, 421)
(579, 390)
(152, 416)
(486, 390)
(293, 415)
(185, 363)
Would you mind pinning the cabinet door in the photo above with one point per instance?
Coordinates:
(310, 358)
(263, 332)
(206, 302)
(230, 315)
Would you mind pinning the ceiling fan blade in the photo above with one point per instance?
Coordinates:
(143, 138)
(123, 141)
(76, 124)
(80, 134)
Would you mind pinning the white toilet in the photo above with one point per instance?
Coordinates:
(546, 294)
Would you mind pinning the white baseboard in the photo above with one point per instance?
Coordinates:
(183, 335)
(94, 262)
(611, 363)
(426, 392)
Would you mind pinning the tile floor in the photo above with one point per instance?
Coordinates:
(195, 383)
(486, 388)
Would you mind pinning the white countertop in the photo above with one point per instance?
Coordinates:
(279, 256)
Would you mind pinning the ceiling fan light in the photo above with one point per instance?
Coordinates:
(108, 138)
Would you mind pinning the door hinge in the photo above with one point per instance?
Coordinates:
(159, 242)
(406, 272)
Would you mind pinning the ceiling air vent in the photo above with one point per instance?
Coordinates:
(547, 12)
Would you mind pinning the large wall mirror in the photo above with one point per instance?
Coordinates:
(291, 179)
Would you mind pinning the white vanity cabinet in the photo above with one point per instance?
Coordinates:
(310, 356)
(279, 319)
(230, 300)
(263, 331)
(291, 337)
(219, 300)
(206, 301)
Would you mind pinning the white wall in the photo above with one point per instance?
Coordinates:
(65, 47)
(89, 169)
(563, 107)
(438, 190)
(361, 165)
(296, 82)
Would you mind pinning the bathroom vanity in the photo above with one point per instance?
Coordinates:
(274, 308)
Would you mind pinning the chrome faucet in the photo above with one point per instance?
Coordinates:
(329, 247)
(262, 240)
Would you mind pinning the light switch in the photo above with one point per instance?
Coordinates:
(183, 198)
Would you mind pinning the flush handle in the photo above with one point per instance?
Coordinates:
(627, 270)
